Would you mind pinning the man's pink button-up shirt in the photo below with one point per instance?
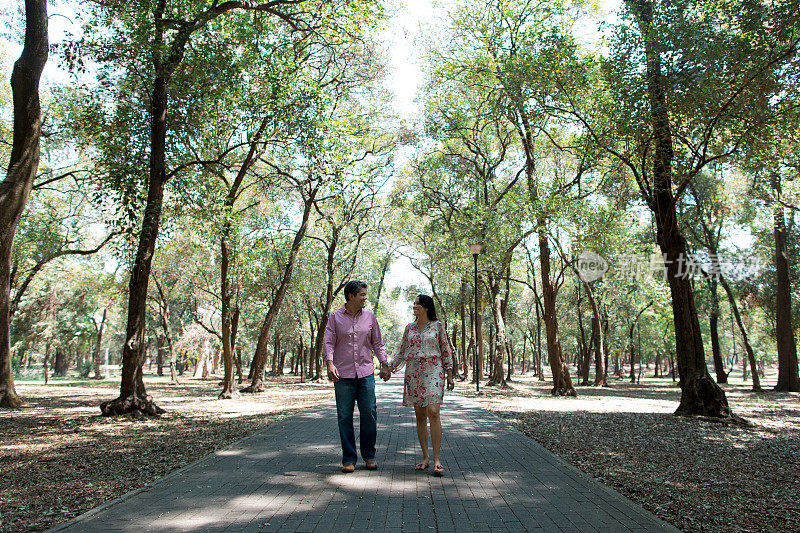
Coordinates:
(351, 340)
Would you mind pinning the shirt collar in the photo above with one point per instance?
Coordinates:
(343, 309)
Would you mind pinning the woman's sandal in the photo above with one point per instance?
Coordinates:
(438, 470)
(421, 466)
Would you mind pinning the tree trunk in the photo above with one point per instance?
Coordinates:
(510, 352)
(22, 166)
(539, 357)
(788, 379)
(164, 312)
(96, 358)
(597, 342)
(562, 383)
(700, 395)
(312, 350)
(583, 351)
(713, 325)
(658, 364)
(384, 268)
(745, 337)
(133, 395)
(160, 355)
(605, 347)
(46, 361)
(463, 313)
(496, 375)
(301, 353)
(479, 335)
(472, 345)
(229, 390)
(320, 339)
(62, 363)
(523, 368)
(281, 354)
(276, 348)
(260, 357)
(202, 361)
(239, 364)
(632, 352)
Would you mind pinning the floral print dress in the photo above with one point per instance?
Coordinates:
(427, 355)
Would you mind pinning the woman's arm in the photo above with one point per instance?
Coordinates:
(444, 348)
(447, 356)
(399, 356)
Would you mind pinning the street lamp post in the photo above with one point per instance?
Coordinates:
(475, 249)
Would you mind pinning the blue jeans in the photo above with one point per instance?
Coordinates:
(350, 391)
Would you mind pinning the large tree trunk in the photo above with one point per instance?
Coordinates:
(133, 395)
(700, 395)
(788, 379)
(260, 358)
(562, 383)
(96, 358)
(22, 166)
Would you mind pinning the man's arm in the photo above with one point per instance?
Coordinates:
(376, 340)
(379, 349)
(328, 347)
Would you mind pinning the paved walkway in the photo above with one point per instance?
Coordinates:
(287, 478)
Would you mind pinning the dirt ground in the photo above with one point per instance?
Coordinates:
(696, 474)
(60, 458)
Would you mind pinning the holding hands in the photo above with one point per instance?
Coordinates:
(385, 372)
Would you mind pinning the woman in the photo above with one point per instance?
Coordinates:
(426, 353)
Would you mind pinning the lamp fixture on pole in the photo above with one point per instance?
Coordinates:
(475, 249)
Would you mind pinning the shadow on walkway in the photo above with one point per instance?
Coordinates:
(286, 477)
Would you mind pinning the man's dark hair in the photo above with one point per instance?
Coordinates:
(427, 302)
(352, 288)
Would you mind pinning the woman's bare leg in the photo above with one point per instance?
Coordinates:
(432, 411)
(422, 431)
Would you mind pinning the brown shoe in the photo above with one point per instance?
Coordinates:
(348, 468)
(372, 464)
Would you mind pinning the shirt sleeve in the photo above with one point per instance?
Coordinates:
(444, 348)
(329, 345)
(399, 356)
(377, 340)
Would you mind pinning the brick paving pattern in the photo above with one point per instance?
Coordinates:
(286, 478)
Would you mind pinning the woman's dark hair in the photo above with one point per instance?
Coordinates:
(427, 302)
(353, 288)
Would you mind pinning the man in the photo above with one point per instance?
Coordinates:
(351, 337)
